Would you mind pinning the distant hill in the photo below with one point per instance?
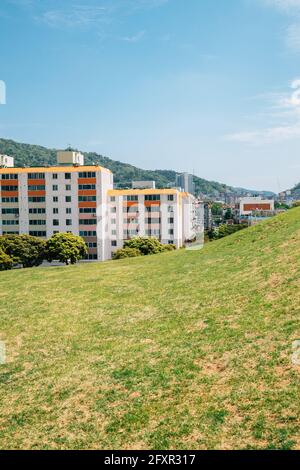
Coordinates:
(36, 155)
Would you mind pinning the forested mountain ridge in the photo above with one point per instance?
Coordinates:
(36, 155)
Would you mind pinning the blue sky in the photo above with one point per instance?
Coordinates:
(210, 86)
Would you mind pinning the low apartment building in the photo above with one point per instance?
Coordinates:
(252, 204)
(80, 199)
(166, 214)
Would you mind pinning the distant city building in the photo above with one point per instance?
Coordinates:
(207, 216)
(252, 204)
(185, 181)
(143, 185)
(6, 161)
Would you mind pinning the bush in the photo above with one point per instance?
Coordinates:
(66, 248)
(24, 249)
(146, 245)
(169, 247)
(127, 253)
(6, 262)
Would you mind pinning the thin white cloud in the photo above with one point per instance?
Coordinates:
(136, 38)
(285, 5)
(85, 15)
(78, 16)
(289, 105)
(293, 37)
(289, 8)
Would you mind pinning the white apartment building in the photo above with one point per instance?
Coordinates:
(6, 161)
(252, 204)
(166, 214)
(80, 199)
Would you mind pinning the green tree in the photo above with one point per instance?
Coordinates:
(24, 249)
(146, 245)
(6, 262)
(66, 248)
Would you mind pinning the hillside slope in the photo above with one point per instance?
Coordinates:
(124, 174)
(180, 350)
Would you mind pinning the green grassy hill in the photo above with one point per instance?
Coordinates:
(181, 350)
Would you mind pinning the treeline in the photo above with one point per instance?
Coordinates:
(224, 230)
(27, 251)
(36, 155)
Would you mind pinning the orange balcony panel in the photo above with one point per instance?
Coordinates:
(87, 181)
(87, 204)
(9, 182)
(9, 193)
(91, 192)
(257, 206)
(131, 204)
(36, 193)
(152, 203)
(36, 182)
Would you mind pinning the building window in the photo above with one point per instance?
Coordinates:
(36, 188)
(37, 222)
(10, 177)
(87, 198)
(36, 199)
(68, 187)
(55, 199)
(10, 222)
(131, 198)
(113, 221)
(10, 199)
(69, 222)
(37, 210)
(54, 176)
(88, 233)
(87, 174)
(171, 220)
(113, 199)
(114, 232)
(87, 210)
(152, 197)
(9, 188)
(55, 222)
(114, 243)
(55, 210)
(68, 199)
(67, 176)
(86, 187)
(171, 231)
(88, 222)
(113, 210)
(68, 210)
(170, 197)
(10, 211)
(37, 234)
(154, 220)
(36, 176)
(54, 187)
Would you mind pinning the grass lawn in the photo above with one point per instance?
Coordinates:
(186, 350)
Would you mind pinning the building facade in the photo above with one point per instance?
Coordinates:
(81, 200)
(185, 181)
(253, 204)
